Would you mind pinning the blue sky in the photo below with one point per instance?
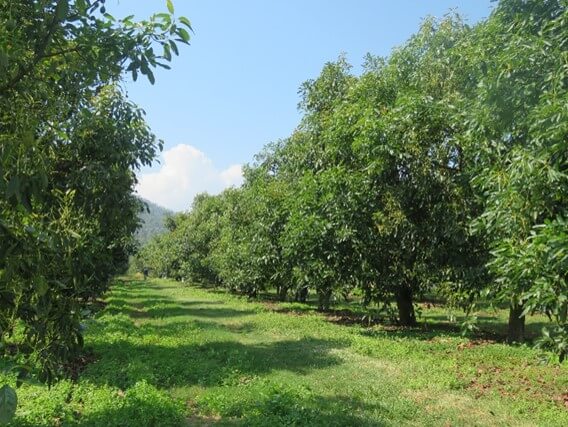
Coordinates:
(235, 88)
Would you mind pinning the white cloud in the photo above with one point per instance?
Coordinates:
(185, 171)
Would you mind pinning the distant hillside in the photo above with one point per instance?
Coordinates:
(152, 222)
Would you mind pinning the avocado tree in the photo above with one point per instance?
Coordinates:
(516, 132)
(70, 142)
(380, 195)
(248, 255)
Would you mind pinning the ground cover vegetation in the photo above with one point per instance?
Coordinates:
(70, 142)
(168, 354)
(441, 169)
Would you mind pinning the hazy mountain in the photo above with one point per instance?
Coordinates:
(152, 222)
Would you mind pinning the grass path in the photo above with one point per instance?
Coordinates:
(169, 354)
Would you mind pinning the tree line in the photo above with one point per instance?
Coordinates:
(70, 143)
(442, 168)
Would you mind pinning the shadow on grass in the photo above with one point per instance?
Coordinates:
(128, 327)
(286, 406)
(122, 363)
(136, 303)
(440, 318)
(278, 406)
(198, 312)
(489, 327)
(164, 310)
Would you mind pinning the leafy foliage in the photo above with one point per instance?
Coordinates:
(8, 404)
(517, 130)
(70, 141)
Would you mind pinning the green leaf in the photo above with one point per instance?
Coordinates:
(166, 66)
(167, 52)
(183, 34)
(41, 286)
(144, 67)
(174, 47)
(8, 404)
(170, 6)
(62, 9)
(13, 187)
(81, 6)
(151, 76)
(28, 138)
(185, 21)
(4, 59)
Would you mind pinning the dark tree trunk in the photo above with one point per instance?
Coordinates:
(324, 299)
(516, 331)
(406, 315)
(301, 294)
(282, 293)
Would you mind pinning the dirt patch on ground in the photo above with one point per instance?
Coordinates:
(563, 400)
(475, 343)
(271, 305)
(467, 408)
(346, 317)
(240, 327)
(340, 317)
(200, 420)
(96, 305)
(78, 365)
(138, 313)
(515, 381)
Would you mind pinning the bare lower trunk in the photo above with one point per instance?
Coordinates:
(516, 332)
(282, 293)
(301, 294)
(406, 315)
(324, 299)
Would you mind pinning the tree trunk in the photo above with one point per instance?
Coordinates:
(406, 314)
(282, 293)
(301, 294)
(324, 299)
(516, 331)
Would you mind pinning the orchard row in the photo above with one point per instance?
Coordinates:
(442, 168)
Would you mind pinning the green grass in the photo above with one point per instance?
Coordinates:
(488, 321)
(169, 354)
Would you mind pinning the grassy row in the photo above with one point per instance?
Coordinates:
(169, 354)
